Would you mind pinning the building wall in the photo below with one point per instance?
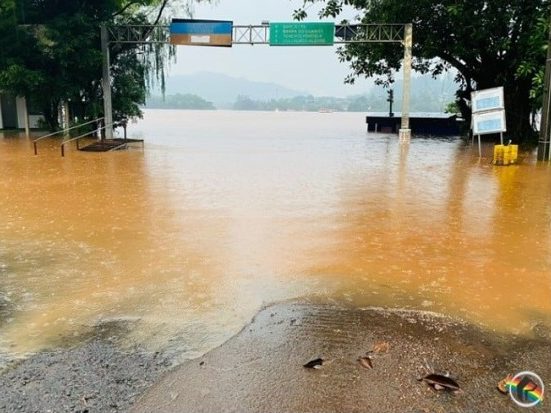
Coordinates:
(8, 111)
(20, 103)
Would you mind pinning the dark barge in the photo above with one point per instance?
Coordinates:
(436, 124)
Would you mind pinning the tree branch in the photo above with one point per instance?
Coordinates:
(165, 2)
(121, 11)
(457, 64)
(159, 15)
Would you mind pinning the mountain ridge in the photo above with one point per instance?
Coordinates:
(222, 90)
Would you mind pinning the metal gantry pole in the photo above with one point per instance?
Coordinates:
(106, 84)
(405, 131)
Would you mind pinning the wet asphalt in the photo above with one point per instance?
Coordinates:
(261, 368)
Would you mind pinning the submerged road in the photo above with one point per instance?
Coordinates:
(178, 245)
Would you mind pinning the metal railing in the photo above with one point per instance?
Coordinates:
(82, 137)
(49, 135)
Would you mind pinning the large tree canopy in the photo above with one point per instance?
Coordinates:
(50, 52)
(489, 43)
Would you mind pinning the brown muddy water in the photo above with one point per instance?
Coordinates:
(223, 212)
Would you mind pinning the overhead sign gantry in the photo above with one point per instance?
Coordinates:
(222, 33)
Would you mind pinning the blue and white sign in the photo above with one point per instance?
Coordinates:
(489, 122)
(488, 100)
(201, 32)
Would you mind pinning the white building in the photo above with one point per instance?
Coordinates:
(14, 113)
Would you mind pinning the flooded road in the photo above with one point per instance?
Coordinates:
(224, 212)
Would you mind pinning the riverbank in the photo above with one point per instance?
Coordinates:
(261, 368)
(95, 376)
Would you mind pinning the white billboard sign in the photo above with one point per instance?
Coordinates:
(488, 100)
(490, 122)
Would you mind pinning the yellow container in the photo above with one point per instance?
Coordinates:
(505, 155)
(499, 154)
(513, 153)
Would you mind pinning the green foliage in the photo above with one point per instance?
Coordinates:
(489, 43)
(179, 101)
(452, 108)
(531, 66)
(298, 103)
(428, 96)
(50, 52)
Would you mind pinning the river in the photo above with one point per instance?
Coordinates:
(223, 212)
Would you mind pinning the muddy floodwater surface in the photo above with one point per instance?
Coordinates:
(224, 212)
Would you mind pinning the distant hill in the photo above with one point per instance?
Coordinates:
(223, 90)
(207, 90)
(179, 101)
(427, 94)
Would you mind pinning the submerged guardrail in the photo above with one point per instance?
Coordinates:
(49, 135)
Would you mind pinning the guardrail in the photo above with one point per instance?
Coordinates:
(62, 131)
(82, 137)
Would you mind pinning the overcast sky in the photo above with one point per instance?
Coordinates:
(314, 69)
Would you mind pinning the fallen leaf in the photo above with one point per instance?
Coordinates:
(502, 385)
(439, 382)
(365, 362)
(381, 347)
(314, 364)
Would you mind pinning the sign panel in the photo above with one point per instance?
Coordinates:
(487, 123)
(487, 100)
(302, 34)
(201, 32)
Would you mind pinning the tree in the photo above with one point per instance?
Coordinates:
(179, 101)
(50, 53)
(489, 43)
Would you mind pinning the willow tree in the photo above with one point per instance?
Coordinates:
(50, 52)
(488, 43)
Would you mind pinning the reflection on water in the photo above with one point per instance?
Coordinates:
(224, 212)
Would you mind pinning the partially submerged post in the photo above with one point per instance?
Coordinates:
(405, 131)
(65, 118)
(26, 117)
(390, 101)
(106, 83)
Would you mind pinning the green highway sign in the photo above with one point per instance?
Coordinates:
(302, 34)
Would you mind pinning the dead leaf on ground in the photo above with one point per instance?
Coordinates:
(439, 382)
(502, 385)
(381, 347)
(365, 362)
(314, 364)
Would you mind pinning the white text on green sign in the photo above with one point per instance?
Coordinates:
(302, 34)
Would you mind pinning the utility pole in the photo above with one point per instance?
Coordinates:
(106, 83)
(544, 149)
(405, 131)
(390, 100)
